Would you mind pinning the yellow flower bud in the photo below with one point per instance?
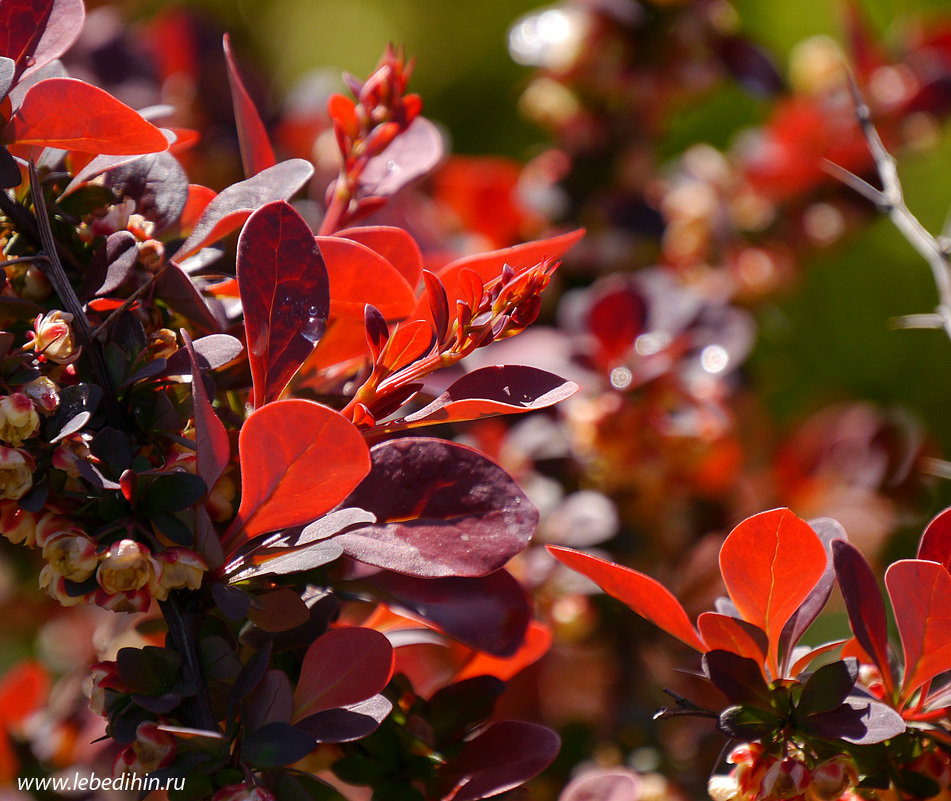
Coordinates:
(73, 556)
(18, 419)
(16, 473)
(177, 568)
(16, 524)
(126, 566)
(54, 337)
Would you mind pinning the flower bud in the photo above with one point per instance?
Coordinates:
(786, 778)
(175, 569)
(17, 524)
(723, 788)
(55, 586)
(54, 337)
(832, 778)
(153, 748)
(70, 452)
(72, 555)
(131, 601)
(125, 567)
(52, 525)
(241, 792)
(105, 678)
(18, 419)
(16, 473)
(44, 393)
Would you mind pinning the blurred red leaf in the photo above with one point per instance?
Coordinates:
(342, 667)
(935, 544)
(285, 295)
(504, 756)
(770, 562)
(393, 244)
(73, 115)
(921, 597)
(646, 596)
(535, 645)
(442, 510)
(298, 460)
(234, 204)
(359, 275)
(505, 389)
(256, 151)
(23, 688)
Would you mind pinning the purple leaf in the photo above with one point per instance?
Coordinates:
(488, 614)
(285, 292)
(412, 155)
(495, 390)
(750, 65)
(504, 756)
(178, 291)
(212, 446)
(861, 721)
(211, 352)
(158, 185)
(296, 561)
(828, 531)
(256, 151)
(347, 723)
(35, 33)
(271, 701)
(603, 784)
(112, 265)
(442, 510)
(864, 603)
(236, 203)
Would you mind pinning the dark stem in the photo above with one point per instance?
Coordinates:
(183, 624)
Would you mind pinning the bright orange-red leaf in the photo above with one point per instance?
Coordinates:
(408, 342)
(359, 275)
(646, 596)
(921, 597)
(536, 645)
(198, 199)
(22, 689)
(770, 563)
(73, 115)
(298, 459)
(393, 244)
(729, 634)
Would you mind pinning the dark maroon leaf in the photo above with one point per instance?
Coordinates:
(322, 606)
(10, 175)
(285, 293)
(747, 722)
(279, 610)
(112, 265)
(750, 65)
(495, 390)
(234, 205)
(272, 701)
(504, 756)
(36, 32)
(232, 601)
(828, 687)
(158, 185)
(828, 530)
(454, 711)
(738, 678)
(276, 744)
(861, 721)
(207, 540)
(488, 614)
(442, 510)
(864, 603)
(412, 154)
(177, 290)
(252, 673)
(935, 545)
(438, 304)
(347, 723)
(212, 446)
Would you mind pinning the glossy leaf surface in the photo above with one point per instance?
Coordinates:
(770, 563)
(298, 460)
(646, 596)
(344, 666)
(70, 114)
(233, 205)
(34, 33)
(442, 510)
(285, 295)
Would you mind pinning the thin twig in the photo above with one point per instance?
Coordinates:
(891, 200)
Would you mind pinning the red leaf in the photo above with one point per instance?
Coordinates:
(409, 342)
(504, 756)
(344, 666)
(863, 600)
(34, 32)
(298, 460)
(442, 510)
(487, 391)
(23, 689)
(256, 151)
(921, 597)
(535, 646)
(646, 596)
(935, 545)
(411, 155)
(285, 295)
(770, 562)
(489, 266)
(198, 199)
(393, 244)
(359, 276)
(212, 446)
(233, 205)
(73, 115)
(736, 636)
